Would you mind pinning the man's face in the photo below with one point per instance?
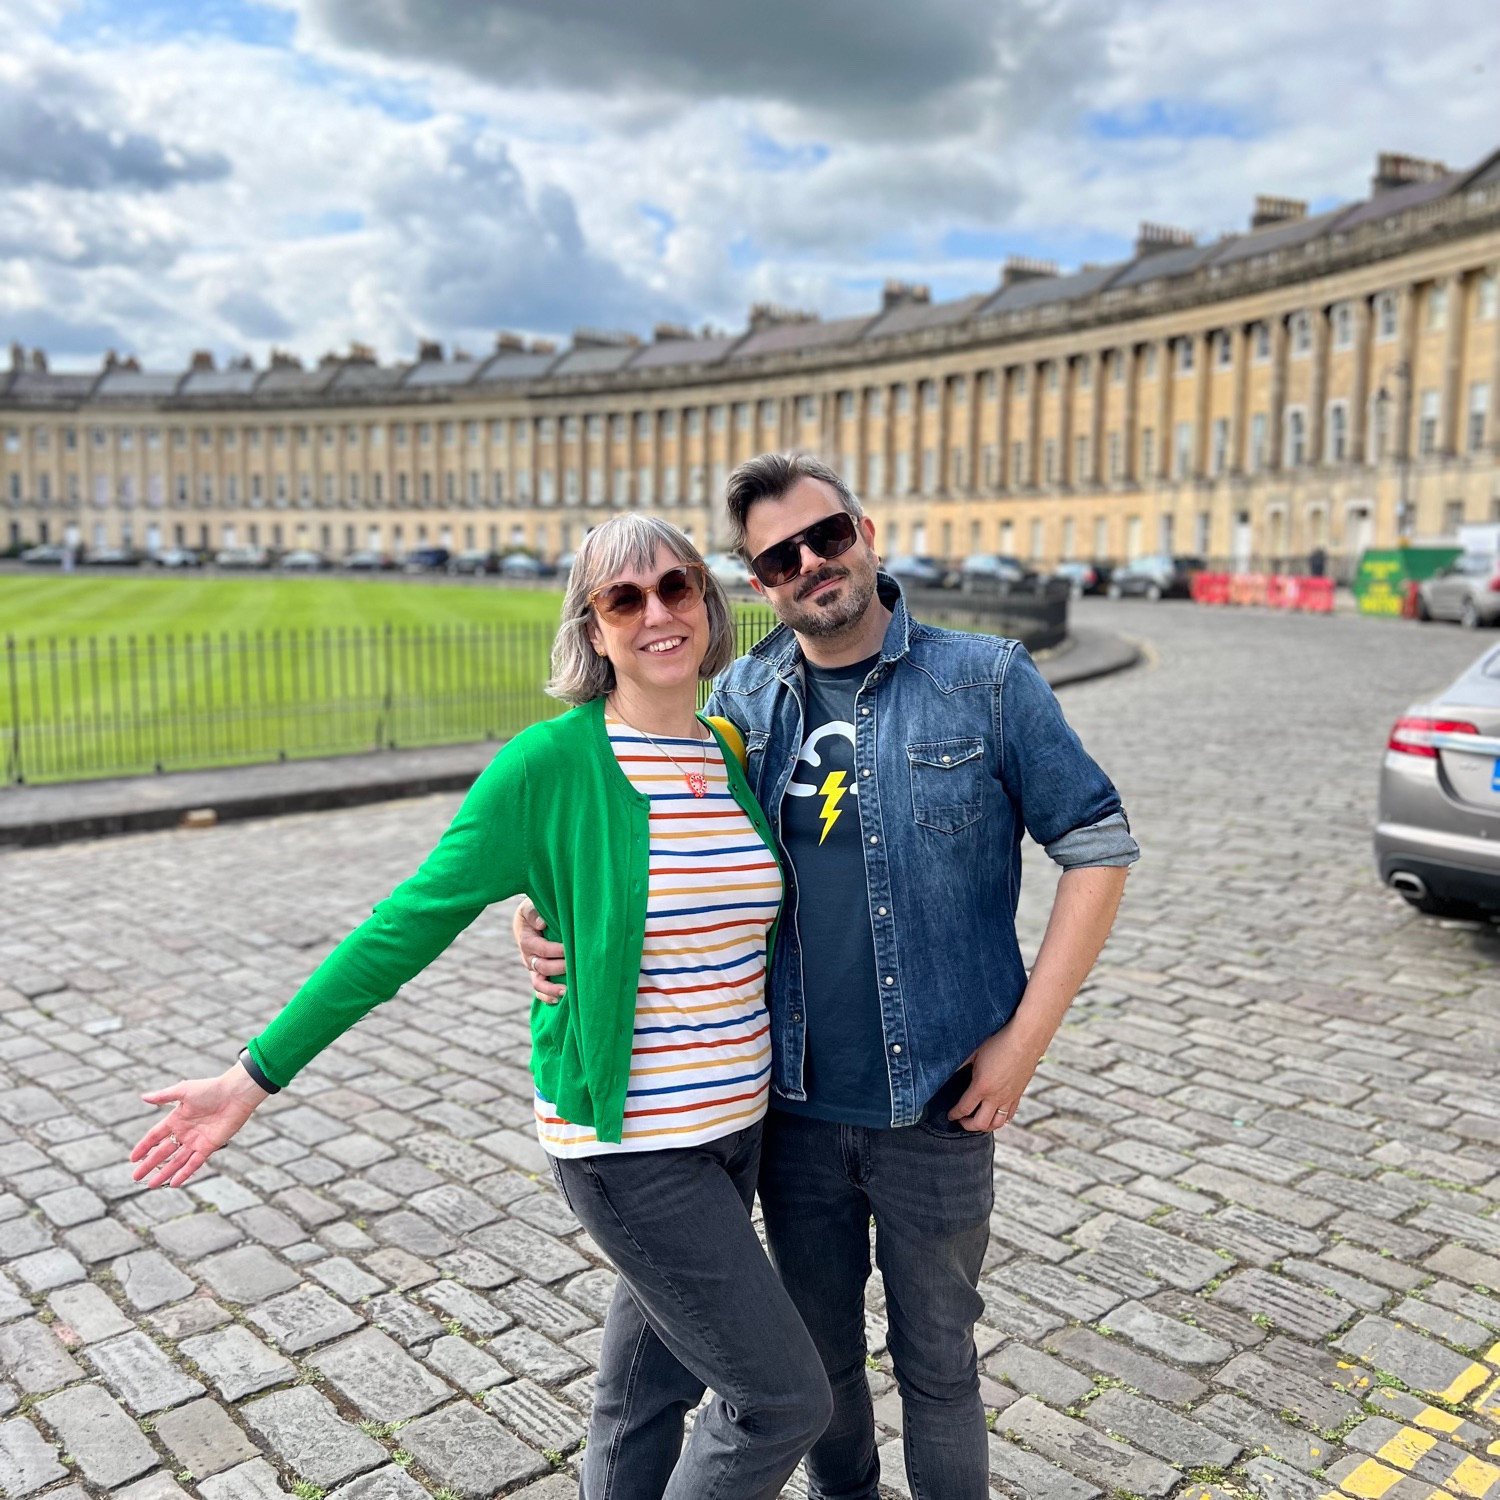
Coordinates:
(828, 596)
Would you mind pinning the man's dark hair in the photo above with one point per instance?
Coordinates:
(769, 476)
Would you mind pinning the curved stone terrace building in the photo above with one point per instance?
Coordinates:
(1322, 380)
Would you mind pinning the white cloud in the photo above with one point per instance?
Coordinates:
(409, 169)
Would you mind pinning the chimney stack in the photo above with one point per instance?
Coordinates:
(1269, 210)
(202, 360)
(39, 361)
(602, 338)
(1393, 170)
(1155, 238)
(1019, 268)
(904, 294)
(429, 351)
(773, 315)
(665, 332)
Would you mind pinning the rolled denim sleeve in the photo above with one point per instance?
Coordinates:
(1107, 842)
(1067, 803)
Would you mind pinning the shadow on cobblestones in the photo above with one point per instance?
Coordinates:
(1245, 1237)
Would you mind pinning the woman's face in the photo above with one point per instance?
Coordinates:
(659, 650)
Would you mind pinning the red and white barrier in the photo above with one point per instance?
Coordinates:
(1273, 590)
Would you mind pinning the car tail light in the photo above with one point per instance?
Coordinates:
(1495, 584)
(1413, 736)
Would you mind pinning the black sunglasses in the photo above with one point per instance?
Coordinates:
(678, 588)
(782, 561)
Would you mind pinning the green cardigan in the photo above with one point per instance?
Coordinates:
(552, 815)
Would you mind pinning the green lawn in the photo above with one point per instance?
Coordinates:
(120, 676)
(49, 604)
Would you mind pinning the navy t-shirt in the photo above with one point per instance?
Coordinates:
(843, 1071)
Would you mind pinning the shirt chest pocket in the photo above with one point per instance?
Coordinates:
(947, 783)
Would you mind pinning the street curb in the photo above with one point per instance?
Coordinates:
(34, 816)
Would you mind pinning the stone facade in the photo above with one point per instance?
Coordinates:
(1327, 380)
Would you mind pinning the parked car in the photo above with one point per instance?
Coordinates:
(304, 560)
(474, 560)
(520, 565)
(427, 560)
(47, 555)
(1085, 577)
(911, 571)
(368, 562)
(564, 565)
(113, 557)
(728, 569)
(242, 557)
(176, 557)
(1156, 577)
(1437, 830)
(991, 572)
(1467, 590)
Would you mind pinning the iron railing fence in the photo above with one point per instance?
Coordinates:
(76, 709)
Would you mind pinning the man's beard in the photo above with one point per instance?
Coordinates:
(843, 610)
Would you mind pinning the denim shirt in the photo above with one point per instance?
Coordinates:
(960, 746)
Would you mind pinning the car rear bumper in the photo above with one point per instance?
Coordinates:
(1454, 866)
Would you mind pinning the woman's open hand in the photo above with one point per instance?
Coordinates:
(207, 1113)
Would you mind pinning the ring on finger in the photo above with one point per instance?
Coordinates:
(532, 964)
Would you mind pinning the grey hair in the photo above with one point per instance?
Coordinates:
(626, 542)
(769, 476)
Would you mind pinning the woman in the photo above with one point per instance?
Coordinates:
(635, 836)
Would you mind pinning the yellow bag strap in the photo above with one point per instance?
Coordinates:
(730, 734)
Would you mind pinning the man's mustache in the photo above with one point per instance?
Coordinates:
(822, 576)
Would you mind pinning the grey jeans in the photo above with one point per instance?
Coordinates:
(929, 1189)
(697, 1307)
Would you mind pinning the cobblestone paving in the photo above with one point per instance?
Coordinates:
(1245, 1231)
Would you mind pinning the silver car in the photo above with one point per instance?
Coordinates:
(1467, 590)
(1437, 835)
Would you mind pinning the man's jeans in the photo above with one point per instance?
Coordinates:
(929, 1188)
(697, 1305)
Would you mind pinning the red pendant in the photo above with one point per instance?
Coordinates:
(697, 783)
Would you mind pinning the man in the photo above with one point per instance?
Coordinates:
(899, 765)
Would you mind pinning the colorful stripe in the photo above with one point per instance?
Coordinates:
(700, 1062)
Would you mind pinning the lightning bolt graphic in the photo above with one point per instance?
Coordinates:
(832, 791)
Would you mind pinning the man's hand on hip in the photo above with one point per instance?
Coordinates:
(1003, 1066)
(543, 960)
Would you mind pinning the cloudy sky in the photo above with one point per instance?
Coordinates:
(237, 174)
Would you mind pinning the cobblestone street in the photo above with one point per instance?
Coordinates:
(1245, 1226)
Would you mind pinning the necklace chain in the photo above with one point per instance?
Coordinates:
(697, 781)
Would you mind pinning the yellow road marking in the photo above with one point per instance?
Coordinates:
(1370, 1480)
(1471, 1379)
(1406, 1447)
(1488, 1405)
(1439, 1421)
(1474, 1477)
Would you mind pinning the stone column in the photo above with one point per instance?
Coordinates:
(1239, 412)
(1359, 396)
(1492, 417)
(1002, 428)
(1130, 422)
(1450, 429)
(1317, 400)
(1066, 380)
(974, 432)
(1276, 416)
(1202, 402)
(1166, 375)
(1406, 346)
(1100, 364)
(1034, 424)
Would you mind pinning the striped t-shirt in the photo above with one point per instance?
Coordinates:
(700, 1063)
